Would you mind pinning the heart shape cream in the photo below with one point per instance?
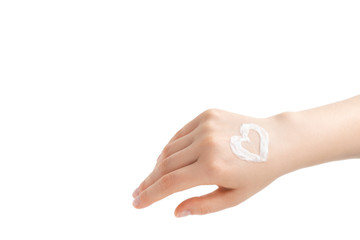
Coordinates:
(241, 152)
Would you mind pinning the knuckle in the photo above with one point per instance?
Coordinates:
(165, 151)
(208, 126)
(166, 181)
(163, 166)
(210, 141)
(210, 113)
(213, 168)
(170, 147)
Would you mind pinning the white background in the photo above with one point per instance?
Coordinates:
(91, 91)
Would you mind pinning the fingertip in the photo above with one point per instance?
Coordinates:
(142, 200)
(185, 208)
(183, 213)
(136, 202)
(136, 193)
(209, 203)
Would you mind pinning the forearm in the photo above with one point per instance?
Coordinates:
(323, 134)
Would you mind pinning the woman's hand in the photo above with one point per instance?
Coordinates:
(200, 154)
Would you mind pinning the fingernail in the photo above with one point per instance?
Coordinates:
(184, 213)
(136, 193)
(136, 202)
(159, 157)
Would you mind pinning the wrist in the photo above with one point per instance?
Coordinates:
(312, 137)
(292, 144)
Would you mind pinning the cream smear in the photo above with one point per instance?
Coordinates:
(241, 152)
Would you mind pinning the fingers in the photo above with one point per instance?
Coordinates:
(186, 129)
(176, 161)
(176, 169)
(166, 162)
(215, 201)
(177, 145)
(168, 184)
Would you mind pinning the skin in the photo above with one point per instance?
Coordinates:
(200, 154)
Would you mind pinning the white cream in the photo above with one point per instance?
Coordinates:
(241, 152)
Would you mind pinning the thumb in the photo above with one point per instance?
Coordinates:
(215, 201)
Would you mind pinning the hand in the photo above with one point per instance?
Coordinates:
(200, 154)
